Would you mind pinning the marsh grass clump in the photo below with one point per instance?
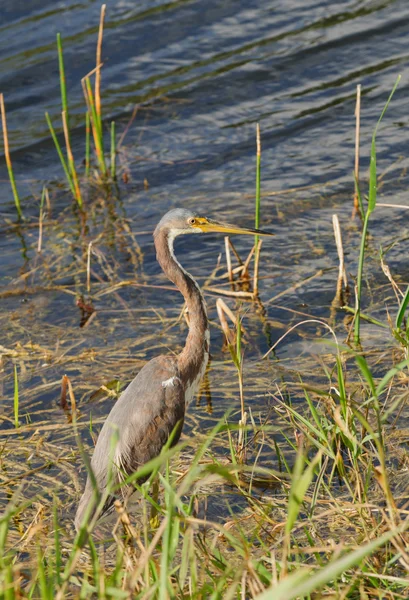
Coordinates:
(326, 520)
(94, 122)
(372, 191)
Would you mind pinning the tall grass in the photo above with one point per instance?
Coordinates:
(113, 152)
(234, 344)
(264, 551)
(367, 213)
(69, 163)
(94, 122)
(96, 125)
(257, 241)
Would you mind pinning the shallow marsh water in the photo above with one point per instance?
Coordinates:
(201, 75)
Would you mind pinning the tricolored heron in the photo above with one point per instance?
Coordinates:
(154, 403)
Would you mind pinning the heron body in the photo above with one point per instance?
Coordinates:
(154, 404)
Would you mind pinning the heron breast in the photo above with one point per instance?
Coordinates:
(193, 386)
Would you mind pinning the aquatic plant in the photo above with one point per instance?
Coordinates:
(367, 213)
(93, 122)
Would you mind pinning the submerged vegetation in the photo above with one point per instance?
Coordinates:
(299, 492)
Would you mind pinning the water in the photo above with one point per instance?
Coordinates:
(201, 75)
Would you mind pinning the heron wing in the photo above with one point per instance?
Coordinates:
(138, 426)
(157, 397)
(143, 418)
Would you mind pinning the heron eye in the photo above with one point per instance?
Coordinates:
(192, 221)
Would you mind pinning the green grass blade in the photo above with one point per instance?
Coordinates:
(113, 151)
(387, 103)
(166, 554)
(96, 125)
(371, 207)
(357, 323)
(15, 192)
(402, 309)
(372, 177)
(299, 485)
(314, 413)
(365, 317)
(363, 365)
(391, 373)
(87, 143)
(61, 155)
(63, 87)
(57, 544)
(372, 168)
(341, 386)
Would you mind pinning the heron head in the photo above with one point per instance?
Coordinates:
(180, 221)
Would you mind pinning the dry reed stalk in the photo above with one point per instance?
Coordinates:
(98, 62)
(243, 585)
(222, 310)
(398, 292)
(89, 267)
(357, 143)
(226, 309)
(228, 259)
(146, 555)
(241, 441)
(40, 232)
(95, 121)
(8, 158)
(236, 254)
(256, 267)
(63, 397)
(351, 328)
(236, 271)
(245, 267)
(386, 205)
(72, 399)
(70, 157)
(342, 276)
(257, 208)
(230, 293)
(47, 202)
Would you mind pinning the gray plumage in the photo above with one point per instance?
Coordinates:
(154, 403)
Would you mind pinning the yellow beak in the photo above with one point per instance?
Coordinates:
(208, 225)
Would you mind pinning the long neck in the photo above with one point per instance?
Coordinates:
(193, 358)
